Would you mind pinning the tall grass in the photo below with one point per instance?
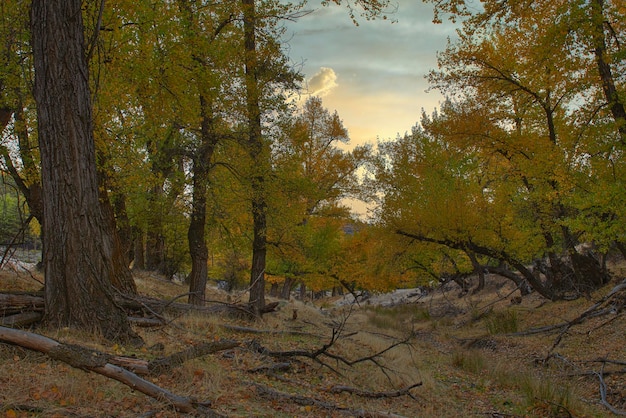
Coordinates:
(505, 322)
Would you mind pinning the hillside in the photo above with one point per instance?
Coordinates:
(440, 356)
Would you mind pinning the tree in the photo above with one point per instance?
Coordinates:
(16, 105)
(312, 175)
(78, 247)
(525, 105)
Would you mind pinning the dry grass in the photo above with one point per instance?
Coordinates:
(460, 349)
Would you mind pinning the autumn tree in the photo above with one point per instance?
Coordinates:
(18, 150)
(524, 101)
(313, 174)
(78, 247)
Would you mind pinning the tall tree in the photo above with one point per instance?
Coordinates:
(78, 247)
(312, 174)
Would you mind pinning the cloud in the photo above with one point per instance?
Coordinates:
(323, 82)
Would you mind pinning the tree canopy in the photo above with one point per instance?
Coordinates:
(210, 168)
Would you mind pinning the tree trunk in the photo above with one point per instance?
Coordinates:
(286, 292)
(155, 241)
(124, 228)
(78, 249)
(196, 234)
(5, 117)
(139, 261)
(616, 105)
(257, 154)
(121, 276)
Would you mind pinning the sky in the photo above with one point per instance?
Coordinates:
(371, 74)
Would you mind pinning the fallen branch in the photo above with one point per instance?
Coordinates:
(603, 399)
(11, 303)
(375, 395)
(248, 330)
(275, 395)
(594, 311)
(164, 364)
(20, 319)
(90, 360)
(272, 368)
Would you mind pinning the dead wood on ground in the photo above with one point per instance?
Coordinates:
(301, 400)
(91, 360)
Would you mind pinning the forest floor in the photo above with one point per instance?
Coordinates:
(465, 356)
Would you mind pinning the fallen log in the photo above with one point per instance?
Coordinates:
(274, 395)
(375, 395)
(20, 319)
(164, 364)
(12, 303)
(91, 360)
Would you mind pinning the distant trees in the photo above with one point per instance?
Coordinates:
(312, 175)
(516, 169)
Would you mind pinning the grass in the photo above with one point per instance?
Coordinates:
(471, 361)
(399, 317)
(502, 377)
(505, 322)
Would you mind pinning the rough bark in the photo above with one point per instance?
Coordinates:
(77, 248)
(196, 233)
(121, 276)
(257, 152)
(615, 103)
(5, 117)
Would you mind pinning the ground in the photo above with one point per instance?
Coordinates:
(468, 354)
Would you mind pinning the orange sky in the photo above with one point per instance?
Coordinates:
(373, 74)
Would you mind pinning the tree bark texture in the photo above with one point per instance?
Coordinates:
(196, 233)
(256, 151)
(615, 103)
(78, 249)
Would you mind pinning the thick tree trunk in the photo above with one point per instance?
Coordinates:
(124, 228)
(121, 276)
(196, 236)
(196, 233)
(78, 249)
(257, 153)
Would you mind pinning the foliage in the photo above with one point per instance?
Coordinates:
(517, 166)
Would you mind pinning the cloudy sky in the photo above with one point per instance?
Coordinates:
(372, 74)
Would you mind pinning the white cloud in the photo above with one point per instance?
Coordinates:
(323, 82)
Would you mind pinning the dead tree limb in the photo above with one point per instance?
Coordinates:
(600, 308)
(11, 303)
(90, 360)
(248, 330)
(275, 395)
(165, 364)
(20, 319)
(603, 399)
(375, 395)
